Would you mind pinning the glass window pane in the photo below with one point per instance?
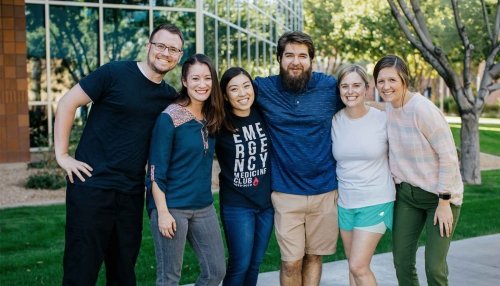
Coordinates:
(222, 8)
(126, 33)
(211, 46)
(224, 47)
(233, 11)
(36, 63)
(175, 3)
(38, 126)
(209, 5)
(91, 1)
(128, 2)
(233, 46)
(74, 46)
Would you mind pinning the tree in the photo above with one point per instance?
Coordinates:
(412, 21)
(358, 31)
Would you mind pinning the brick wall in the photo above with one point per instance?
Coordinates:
(14, 119)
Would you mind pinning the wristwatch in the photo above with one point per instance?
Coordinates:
(444, 196)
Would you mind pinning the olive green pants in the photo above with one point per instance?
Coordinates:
(414, 209)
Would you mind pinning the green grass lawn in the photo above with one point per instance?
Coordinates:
(32, 239)
(489, 137)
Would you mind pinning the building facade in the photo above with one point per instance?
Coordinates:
(60, 42)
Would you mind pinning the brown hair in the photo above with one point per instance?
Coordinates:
(167, 27)
(295, 37)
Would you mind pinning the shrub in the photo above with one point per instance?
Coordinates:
(49, 179)
(491, 110)
(450, 106)
(51, 176)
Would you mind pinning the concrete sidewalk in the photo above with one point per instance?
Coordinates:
(474, 261)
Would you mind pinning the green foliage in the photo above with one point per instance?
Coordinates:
(359, 31)
(50, 180)
(450, 106)
(364, 30)
(491, 111)
(50, 176)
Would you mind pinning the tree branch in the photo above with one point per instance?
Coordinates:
(495, 70)
(418, 27)
(490, 66)
(486, 21)
(414, 41)
(494, 87)
(496, 27)
(415, 5)
(468, 47)
(434, 56)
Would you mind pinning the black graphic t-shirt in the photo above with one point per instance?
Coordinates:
(244, 158)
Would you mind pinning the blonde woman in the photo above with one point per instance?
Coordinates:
(366, 188)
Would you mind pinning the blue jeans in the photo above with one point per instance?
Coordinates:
(201, 228)
(247, 235)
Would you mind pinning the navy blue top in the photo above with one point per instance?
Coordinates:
(245, 177)
(115, 140)
(299, 124)
(179, 161)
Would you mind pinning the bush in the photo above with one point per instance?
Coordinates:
(51, 180)
(51, 176)
(491, 110)
(450, 106)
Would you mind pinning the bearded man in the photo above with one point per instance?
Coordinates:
(105, 191)
(298, 106)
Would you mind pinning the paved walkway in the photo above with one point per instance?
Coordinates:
(456, 119)
(473, 261)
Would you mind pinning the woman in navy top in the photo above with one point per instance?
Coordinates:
(179, 195)
(242, 149)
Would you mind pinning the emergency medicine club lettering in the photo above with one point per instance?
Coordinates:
(246, 170)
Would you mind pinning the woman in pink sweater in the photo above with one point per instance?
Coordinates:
(424, 163)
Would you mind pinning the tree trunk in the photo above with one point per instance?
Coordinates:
(469, 148)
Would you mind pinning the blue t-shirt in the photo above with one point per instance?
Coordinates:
(180, 160)
(115, 140)
(299, 125)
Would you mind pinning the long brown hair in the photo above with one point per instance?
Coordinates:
(213, 108)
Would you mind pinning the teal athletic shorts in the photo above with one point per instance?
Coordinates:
(376, 218)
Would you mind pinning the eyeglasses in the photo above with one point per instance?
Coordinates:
(159, 47)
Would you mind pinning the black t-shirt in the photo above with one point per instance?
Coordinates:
(245, 177)
(115, 140)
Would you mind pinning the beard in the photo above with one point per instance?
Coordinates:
(159, 70)
(295, 83)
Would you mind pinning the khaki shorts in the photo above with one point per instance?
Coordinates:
(305, 224)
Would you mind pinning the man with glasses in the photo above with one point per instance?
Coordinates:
(105, 190)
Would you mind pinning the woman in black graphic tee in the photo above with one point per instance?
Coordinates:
(242, 149)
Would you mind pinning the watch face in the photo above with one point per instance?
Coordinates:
(445, 196)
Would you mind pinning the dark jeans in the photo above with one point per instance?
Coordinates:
(101, 225)
(247, 235)
(414, 209)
